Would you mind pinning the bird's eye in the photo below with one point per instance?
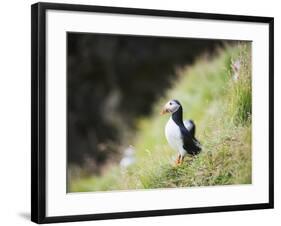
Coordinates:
(170, 103)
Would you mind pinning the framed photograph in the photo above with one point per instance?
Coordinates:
(140, 112)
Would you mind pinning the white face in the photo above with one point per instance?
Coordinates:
(170, 107)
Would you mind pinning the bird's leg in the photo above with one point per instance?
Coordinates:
(181, 159)
(178, 159)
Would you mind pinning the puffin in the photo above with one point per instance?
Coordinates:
(180, 134)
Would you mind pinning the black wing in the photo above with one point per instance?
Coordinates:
(190, 143)
(190, 126)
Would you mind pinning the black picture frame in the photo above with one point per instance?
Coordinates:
(38, 111)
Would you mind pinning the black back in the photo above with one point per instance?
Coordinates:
(190, 143)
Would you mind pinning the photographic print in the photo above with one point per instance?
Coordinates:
(148, 112)
(145, 112)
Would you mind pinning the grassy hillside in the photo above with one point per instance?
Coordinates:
(221, 110)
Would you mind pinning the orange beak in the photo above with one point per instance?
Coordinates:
(164, 111)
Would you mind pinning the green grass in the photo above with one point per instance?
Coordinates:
(221, 110)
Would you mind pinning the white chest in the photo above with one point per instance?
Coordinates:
(173, 135)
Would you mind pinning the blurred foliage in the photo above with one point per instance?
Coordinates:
(221, 109)
(112, 81)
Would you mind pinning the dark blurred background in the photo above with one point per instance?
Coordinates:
(112, 81)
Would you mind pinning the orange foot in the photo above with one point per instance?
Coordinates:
(178, 160)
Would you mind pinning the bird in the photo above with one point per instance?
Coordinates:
(180, 134)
